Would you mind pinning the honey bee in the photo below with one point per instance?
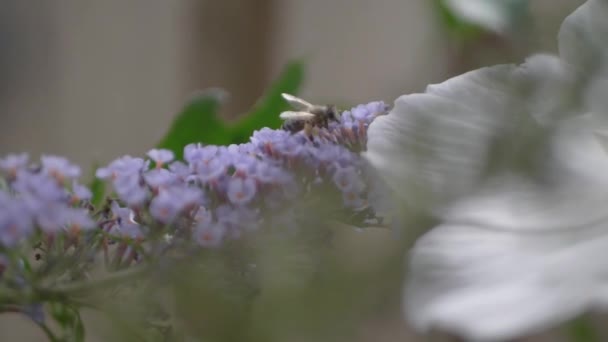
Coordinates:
(307, 116)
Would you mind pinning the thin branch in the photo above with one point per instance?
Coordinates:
(110, 280)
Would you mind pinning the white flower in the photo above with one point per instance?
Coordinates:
(508, 160)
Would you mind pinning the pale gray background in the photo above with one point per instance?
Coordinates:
(93, 80)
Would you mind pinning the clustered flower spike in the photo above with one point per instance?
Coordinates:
(215, 193)
(36, 198)
(221, 192)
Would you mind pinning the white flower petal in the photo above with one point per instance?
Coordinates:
(583, 44)
(596, 99)
(527, 207)
(446, 131)
(570, 193)
(580, 156)
(518, 241)
(436, 146)
(582, 37)
(550, 88)
(497, 285)
(516, 251)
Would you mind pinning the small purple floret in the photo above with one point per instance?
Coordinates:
(14, 162)
(81, 192)
(59, 167)
(15, 223)
(209, 235)
(168, 204)
(157, 178)
(161, 156)
(241, 191)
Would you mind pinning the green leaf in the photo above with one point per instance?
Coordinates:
(265, 112)
(198, 122)
(97, 187)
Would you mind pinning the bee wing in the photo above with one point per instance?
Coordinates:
(289, 115)
(296, 102)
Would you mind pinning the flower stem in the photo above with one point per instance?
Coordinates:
(110, 280)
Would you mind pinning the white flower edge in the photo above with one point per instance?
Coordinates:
(513, 254)
(401, 148)
(493, 285)
(517, 256)
(582, 36)
(435, 146)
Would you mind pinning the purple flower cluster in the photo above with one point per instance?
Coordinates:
(215, 193)
(44, 197)
(352, 129)
(221, 192)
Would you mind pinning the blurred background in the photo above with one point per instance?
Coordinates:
(93, 80)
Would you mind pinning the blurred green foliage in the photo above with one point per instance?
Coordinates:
(97, 187)
(199, 122)
(265, 112)
(268, 286)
